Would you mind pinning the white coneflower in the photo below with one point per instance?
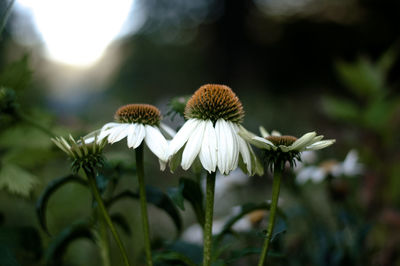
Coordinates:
(279, 151)
(138, 122)
(282, 149)
(214, 114)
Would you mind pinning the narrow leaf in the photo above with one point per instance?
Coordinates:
(155, 197)
(57, 248)
(52, 187)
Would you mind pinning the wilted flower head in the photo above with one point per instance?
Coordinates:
(285, 148)
(86, 153)
(138, 122)
(213, 114)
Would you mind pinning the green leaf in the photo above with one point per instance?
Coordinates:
(341, 109)
(172, 257)
(16, 180)
(176, 195)
(361, 77)
(52, 187)
(191, 191)
(17, 75)
(155, 197)
(57, 248)
(192, 251)
(387, 60)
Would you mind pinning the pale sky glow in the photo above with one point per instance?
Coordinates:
(77, 32)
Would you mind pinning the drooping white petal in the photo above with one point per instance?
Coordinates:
(225, 146)
(156, 142)
(302, 142)
(245, 152)
(320, 144)
(182, 136)
(208, 151)
(235, 153)
(106, 130)
(193, 145)
(163, 165)
(118, 133)
(262, 143)
(168, 130)
(132, 134)
(264, 132)
(141, 132)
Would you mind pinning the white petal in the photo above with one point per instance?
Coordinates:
(106, 130)
(208, 151)
(163, 165)
(302, 142)
(245, 152)
(182, 136)
(132, 134)
(118, 133)
(141, 132)
(320, 144)
(225, 146)
(276, 133)
(170, 132)
(235, 154)
(264, 132)
(262, 143)
(193, 145)
(156, 142)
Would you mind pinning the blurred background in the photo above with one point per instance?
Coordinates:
(329, 66)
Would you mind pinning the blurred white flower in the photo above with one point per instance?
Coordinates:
(350, 167)
(194, 233)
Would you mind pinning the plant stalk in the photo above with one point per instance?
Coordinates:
(143, 203)
(92, 182)
(272, 214)
(210, 188)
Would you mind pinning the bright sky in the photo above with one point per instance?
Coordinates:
(77, 32)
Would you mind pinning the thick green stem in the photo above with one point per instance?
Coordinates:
(92, 182)
(143, 203)
(272, 215)
(210, 187)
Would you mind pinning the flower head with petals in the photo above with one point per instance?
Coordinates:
(138, 122)
(282, 149)
(85, 153)
(210, 133)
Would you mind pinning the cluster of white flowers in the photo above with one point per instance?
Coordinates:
(212, 133)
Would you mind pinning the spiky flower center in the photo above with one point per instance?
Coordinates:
(138, 113)
(214, 101)
(282, 140)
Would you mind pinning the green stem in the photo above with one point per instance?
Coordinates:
(104, 245)
(34, 124)
(143, 203)
(92, 182)
(272, 215)
(210, 187)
